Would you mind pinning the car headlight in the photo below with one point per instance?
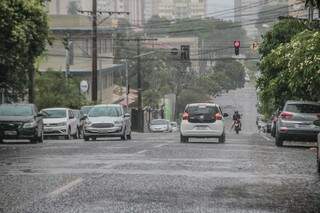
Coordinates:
(62, 124)
(87, 123)
(118, 123)
(30, 124)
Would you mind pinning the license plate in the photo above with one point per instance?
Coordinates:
(201, 127)
(10, 133)
(48, 130)
(304, 126)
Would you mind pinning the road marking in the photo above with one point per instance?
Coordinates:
(265, 137)
(142, 151)
(159, 146)
(65, 188)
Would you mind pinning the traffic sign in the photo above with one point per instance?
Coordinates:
(236, 44)
(84, 86)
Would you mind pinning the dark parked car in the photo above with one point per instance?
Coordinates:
(295, 122)
(20, 121)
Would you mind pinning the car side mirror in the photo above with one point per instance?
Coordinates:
(317, 123)
(127, 115)
(225, 115)
(40, 114)
(84, 117)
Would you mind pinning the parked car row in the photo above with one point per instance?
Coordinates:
(24, 121)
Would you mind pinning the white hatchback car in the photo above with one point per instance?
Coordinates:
(203, 120)
(60, 122)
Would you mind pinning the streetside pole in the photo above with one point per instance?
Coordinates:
(94, 89)
(127, 86)
(140, 111)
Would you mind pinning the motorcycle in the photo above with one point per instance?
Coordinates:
(237, 126)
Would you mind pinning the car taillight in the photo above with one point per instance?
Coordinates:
(185, 116)
(218, 116)
(286, 115)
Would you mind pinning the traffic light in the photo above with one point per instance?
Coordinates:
(236, 45)
(185, 52)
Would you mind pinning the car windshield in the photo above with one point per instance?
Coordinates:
(159, 122)
(202, 110)
(85, 110)
(105, 111)
(55, 113)
(16, 110)
(303, 108)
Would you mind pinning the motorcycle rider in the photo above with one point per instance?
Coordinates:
(236, 118)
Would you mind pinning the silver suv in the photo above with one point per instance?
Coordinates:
(295, 122)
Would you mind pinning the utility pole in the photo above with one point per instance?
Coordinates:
(127, 86)
(94, 14)
(140, 122)
(94, 80)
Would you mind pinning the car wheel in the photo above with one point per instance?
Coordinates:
(41, 138)
(278, 140)
(222, 139)
(34, 140)
(76, 135)
(68, 136)
(86, 138)
(183, 139)
(129, 136)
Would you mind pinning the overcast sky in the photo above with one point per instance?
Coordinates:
(219, 6)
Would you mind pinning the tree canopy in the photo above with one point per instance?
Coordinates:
(295, 68)
(24, 32)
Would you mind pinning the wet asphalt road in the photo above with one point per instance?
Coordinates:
(157, 173)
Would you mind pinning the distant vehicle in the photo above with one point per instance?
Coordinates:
(174, 126)
(295, 122)
(266, 128)
(107, 121)
(60, 122)
(203, 120)
(160, 125)
(80, 122)
(237, 126)
(274, 119)
(21, 121)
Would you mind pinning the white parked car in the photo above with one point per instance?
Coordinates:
(160, 125)
(60, 122)
(203, 120)
(107, 121)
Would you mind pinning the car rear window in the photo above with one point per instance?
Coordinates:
(303, 108)
(202, 110)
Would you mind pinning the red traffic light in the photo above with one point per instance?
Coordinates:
(236, 44)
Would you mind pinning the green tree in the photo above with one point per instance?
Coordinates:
(295, 72)
(282, 32)
(52, 91)
(24, 33)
